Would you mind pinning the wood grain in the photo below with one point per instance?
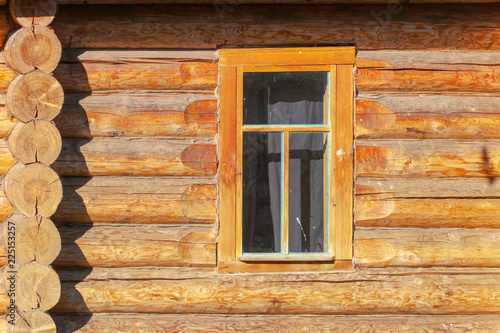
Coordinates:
(410, 247)
(131, 56)
(34, 95)
(428, 203)
(137, 157)
(124, 323)
(33, 189)
(27, 13)
(37, 141)
(35, 321)
(439, 60)
(427, 158)
(5, 207)
(163, 200)
(334, 293)
(100, 71)
(37, 287)
(152, 157)
(132, 115)
(110, 246)
(32, 238)
(68, 274)
(227, 172)
(6, 74)
(344, 163)
(158, 246)
(402, 116)
(33, 48)
(136, 115)
(443, 291)
(276, 56)
(432, 27)
(6, 158)
(6, 121)
(429, 72)
(137, 200)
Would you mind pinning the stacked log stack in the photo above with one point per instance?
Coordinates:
(34, 97)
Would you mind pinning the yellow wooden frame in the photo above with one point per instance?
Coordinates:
(233, 63)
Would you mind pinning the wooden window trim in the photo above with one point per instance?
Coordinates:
(233, 62)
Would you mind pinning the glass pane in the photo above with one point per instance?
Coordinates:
(285, 98)
(261, 192)
(307, 191)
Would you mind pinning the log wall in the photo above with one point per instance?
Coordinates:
(138, 218)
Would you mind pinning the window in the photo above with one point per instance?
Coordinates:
(285, 159)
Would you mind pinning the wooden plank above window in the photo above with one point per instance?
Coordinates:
(280, 56)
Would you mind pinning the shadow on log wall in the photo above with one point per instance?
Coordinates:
(74, 202)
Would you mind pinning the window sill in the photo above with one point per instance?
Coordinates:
(241, 267)
(286, 257)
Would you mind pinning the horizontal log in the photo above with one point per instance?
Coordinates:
(137, 200)
(451, 27)
(419, 71)
(460, 188)
(342, 293)
(136, 157)
(427, 60)
(112, 246)
(162, 200)
(103, 72)
(123, 323)
(375, 291)
(138, 115)
(428, 203)
(386, 116)
(409, 247)
(427, 158)
(132, 70)
(132, 115)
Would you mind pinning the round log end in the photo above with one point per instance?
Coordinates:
(34, 95)
(30, 12)
(36, 239)
(36, 47)
(37, 287)
(35, 141)
(35, 321)
(33, 189)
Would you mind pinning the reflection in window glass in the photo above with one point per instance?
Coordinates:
(307, 191)
(261, 192)
(284, 98)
